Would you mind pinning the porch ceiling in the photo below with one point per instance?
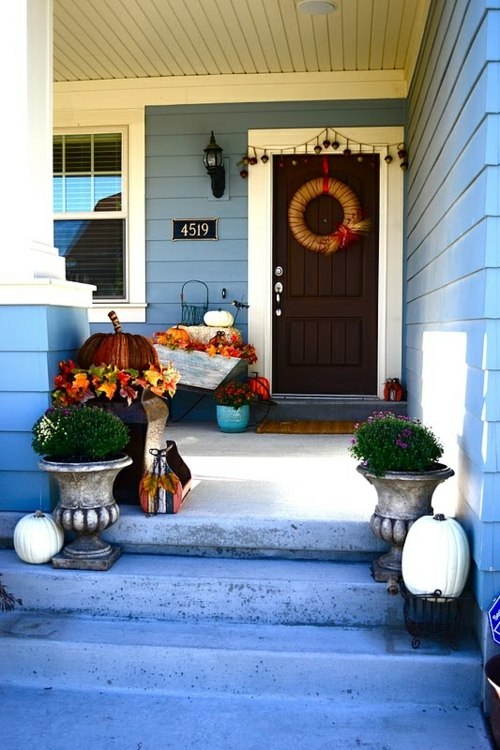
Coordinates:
(117, 39)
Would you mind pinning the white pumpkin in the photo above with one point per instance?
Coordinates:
(218, 319)
(436, 557)
(37, 538)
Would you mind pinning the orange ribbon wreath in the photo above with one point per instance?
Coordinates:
(348, 231)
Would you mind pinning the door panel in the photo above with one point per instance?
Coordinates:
(325, 339)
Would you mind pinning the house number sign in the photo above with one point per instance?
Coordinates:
(194, 229)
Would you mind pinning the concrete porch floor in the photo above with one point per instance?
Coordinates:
(270, 476)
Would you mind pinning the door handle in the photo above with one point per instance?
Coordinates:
(278, 288)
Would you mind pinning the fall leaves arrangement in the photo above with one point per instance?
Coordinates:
(218, 344)
(76, 385)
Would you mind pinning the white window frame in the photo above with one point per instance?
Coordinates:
(131, 125)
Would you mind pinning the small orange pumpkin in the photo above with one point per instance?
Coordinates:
(260, 386)
(178, 336)
(124, 350)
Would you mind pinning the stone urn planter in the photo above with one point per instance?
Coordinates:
(82, 449)
(402, 498)
(400, 458)
(86, 507)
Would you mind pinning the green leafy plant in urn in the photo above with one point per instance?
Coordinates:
(82, 449)
(400, 459)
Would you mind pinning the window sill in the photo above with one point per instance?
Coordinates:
(127, 312)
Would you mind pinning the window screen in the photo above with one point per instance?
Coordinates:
(90, 223)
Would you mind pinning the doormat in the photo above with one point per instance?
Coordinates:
(306, 427)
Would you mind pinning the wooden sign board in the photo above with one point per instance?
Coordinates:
(200, 371)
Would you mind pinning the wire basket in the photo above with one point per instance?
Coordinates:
(192, 312)
(432, 616)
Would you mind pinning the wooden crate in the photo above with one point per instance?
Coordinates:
(200, 371)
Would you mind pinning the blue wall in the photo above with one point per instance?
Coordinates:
(177, 186)
(452, 275)
(33, 339)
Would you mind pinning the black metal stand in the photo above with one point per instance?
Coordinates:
(432, 616)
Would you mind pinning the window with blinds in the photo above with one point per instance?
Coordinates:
(89, 216)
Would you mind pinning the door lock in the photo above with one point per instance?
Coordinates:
(278, 271)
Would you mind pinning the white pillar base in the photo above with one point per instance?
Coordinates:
(46, 291)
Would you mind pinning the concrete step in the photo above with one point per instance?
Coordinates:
(325, 408)
(200, 658)
(166, 651)
(199, 589)
(219, 535)
(191, 533)
(61, 719)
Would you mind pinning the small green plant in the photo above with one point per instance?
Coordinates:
(388, 442)
(79, 433)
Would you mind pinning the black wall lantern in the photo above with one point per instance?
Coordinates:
(214, 164)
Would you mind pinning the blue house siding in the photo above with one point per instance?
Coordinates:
(30, 345)
(177, 186)
(451, 264)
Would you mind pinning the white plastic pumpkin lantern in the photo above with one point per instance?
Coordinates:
(436, 557)
(37, 538)
(218, 319)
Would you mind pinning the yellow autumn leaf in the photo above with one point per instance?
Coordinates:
(81, 381)
(152, 376)
(149, 484)
(108, 389)
(169, 481)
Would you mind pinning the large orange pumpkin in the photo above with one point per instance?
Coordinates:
(124, 350)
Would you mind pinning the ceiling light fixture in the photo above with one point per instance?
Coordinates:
(316, 7)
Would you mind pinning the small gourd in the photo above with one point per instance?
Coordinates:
(37, 538)
(218, 319)
(436, 557)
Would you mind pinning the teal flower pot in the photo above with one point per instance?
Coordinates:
(230, 419)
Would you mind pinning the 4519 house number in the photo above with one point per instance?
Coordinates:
(194, 229)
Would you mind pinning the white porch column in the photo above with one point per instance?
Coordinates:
(26, 249)
(43, 317)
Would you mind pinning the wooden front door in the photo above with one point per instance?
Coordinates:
(325, 315)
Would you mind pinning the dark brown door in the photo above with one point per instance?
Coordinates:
(325, 332)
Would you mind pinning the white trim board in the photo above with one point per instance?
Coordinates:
(260, 278)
